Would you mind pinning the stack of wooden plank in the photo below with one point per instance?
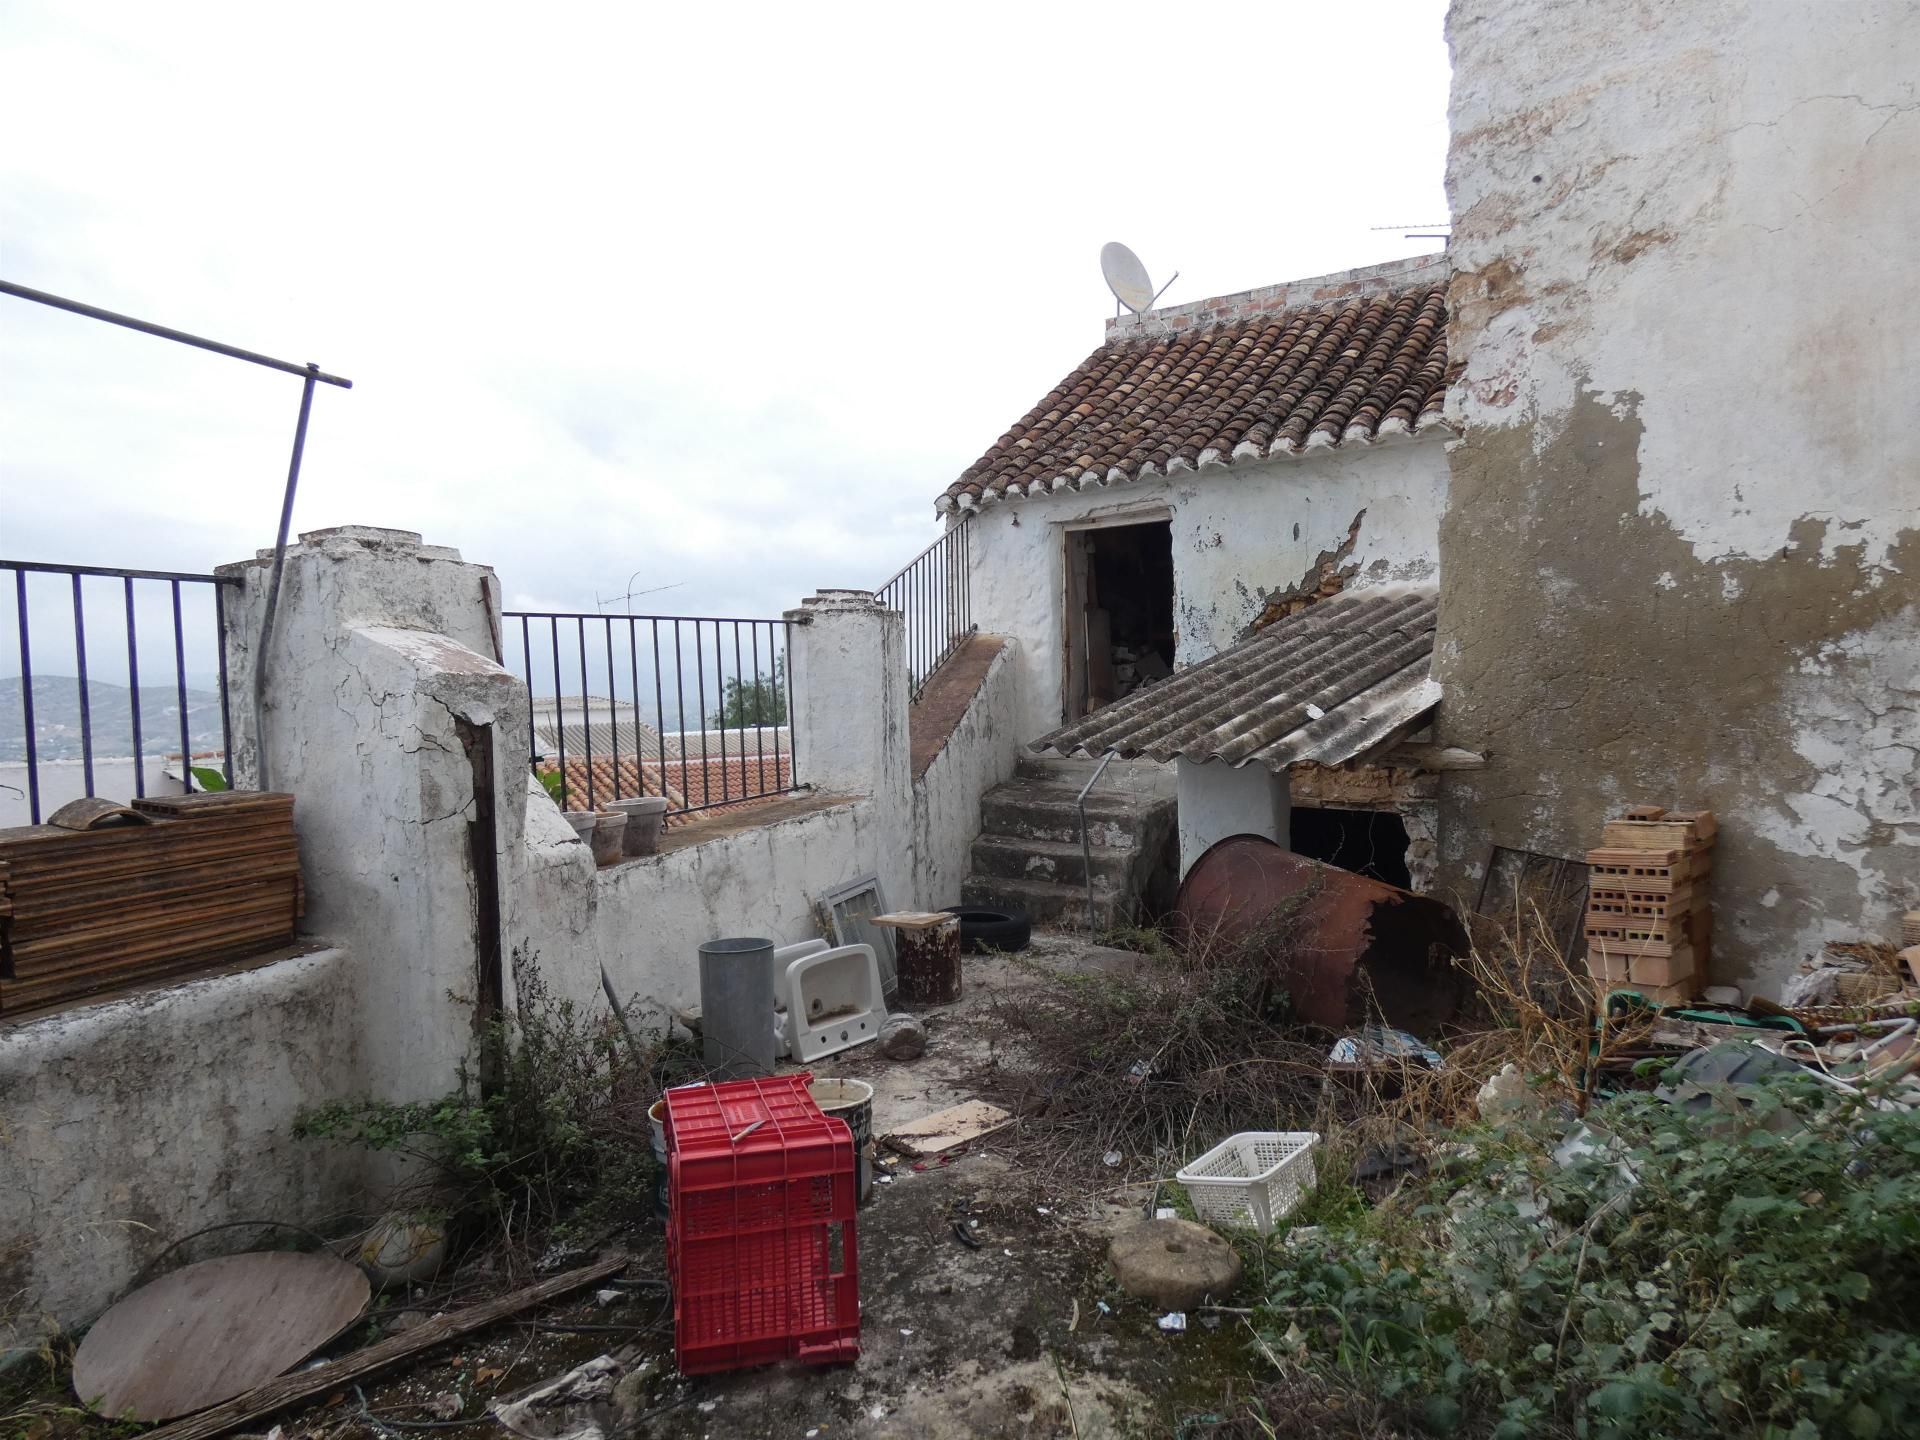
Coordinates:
(1649, 923)
(210, 879)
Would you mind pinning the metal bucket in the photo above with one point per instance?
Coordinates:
(736, 1008)
(851, 1101)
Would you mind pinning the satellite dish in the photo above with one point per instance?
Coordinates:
(1127, 278)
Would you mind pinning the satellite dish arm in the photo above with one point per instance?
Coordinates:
(1163, 290)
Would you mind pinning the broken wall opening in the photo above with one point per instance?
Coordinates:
(1367, 842)
(1119, 611)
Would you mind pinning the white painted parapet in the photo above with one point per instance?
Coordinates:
(404, 743)
(848, 654)
(1217, 801)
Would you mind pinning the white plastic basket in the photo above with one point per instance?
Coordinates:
(1253, 1178)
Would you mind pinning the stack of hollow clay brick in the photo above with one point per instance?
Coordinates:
(1649, 924)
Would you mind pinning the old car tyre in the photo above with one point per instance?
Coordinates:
(982, 928)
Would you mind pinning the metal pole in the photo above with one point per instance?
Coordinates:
(167, 332)
(279, 565)
(1086, 850)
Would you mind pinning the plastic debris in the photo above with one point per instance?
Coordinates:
(1111, 1158)
(1382, 1045)
(1174, 1321)
(1166, 1212)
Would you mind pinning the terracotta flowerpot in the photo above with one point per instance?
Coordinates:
(646, 815)
(583, 822)
(609, 830)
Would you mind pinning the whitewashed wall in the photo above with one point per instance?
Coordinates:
(981, 752)
(126, 1125)
(1681, 562)
(1240, 533)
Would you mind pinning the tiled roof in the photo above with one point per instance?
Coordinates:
(1327, 684)
(1228, 385)
(742, 779)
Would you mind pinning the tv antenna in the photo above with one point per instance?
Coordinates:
(1127, 279)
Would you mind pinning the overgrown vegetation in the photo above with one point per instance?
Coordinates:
(546, 1138)
(1143, 1058)
(1749, 1269)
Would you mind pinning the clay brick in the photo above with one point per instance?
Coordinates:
(1659, 970)
(1658, 994)
(1602, 966)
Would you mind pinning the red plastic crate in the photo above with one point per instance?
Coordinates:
(761, 1247)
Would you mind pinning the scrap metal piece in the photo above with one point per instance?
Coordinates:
(1346, 947)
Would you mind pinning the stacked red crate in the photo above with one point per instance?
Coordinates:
(761, 1250)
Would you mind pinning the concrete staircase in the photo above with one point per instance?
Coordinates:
(1028, 857)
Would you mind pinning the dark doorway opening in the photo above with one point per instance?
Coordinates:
(1119, 612)
(1368, 842)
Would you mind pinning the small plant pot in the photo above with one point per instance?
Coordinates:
(645, 817)
(609, 829)
(583, 822)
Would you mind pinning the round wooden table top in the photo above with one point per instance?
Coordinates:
(210, 1331)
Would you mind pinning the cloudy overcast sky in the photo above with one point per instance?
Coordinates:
(721, 294)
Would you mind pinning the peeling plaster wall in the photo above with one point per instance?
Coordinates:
(981, 752)
(1681, 556)
(126, 1125)
(380, 654)
(1240, 534)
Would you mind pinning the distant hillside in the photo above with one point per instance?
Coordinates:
(56, 718)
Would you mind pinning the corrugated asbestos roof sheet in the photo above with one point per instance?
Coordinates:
(1360, 659)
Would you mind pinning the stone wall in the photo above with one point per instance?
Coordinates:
(1681, 555)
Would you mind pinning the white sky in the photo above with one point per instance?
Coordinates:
(724, 294)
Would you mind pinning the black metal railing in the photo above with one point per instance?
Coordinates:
(59, 717)
(690, 707)
(935, 593)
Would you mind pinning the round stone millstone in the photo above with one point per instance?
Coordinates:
(1174, 1264)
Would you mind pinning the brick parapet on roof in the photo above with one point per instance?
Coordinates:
(1415, 270)
(1356, 358)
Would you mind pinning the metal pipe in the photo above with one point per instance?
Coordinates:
(26, 698)
(1086, 848)
(279, 564)
(180, 694)
(80, 660)
(167, 332)
(133, 694)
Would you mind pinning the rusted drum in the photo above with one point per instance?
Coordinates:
(1347, 948)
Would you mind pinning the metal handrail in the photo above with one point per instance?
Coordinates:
(677, 657)
(1086, 847)
(934, 592)
(76, 596)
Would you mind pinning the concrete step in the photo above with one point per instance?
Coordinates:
(1136, 777)
(1009, 858)
(1044, 902)
(1035, 810)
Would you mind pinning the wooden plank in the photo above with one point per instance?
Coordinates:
(945, 1129)
(914, 919)
(290, 1390)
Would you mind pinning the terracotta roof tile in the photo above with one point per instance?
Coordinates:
(740, 781)
(1216, 391)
